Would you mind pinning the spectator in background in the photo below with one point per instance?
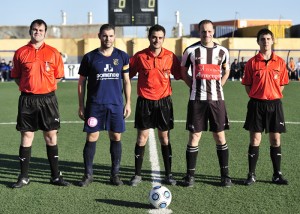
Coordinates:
(298, 68)
(235, 70)
(3, 70)
(242, 67)
(291, 68)
(9, 68)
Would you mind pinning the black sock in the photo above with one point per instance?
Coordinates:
(24, 156)
(115, 153)
(167, 157)
(191, 159)
(88, 157)
(139, 156)
(253, 153)
(223, 153)
(275, 153)
(52, 153)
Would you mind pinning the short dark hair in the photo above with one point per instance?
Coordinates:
(106, 27)
(264, 31)
(156, 28)
(205, 21)
(39, 22)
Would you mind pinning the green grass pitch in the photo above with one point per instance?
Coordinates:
(100, 197)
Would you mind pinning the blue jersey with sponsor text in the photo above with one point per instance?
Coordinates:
(104, 75)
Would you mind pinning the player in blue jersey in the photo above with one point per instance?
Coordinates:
(106, 71)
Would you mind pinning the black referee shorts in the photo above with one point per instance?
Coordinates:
(154, 114)
(265, 115)
(38, 112)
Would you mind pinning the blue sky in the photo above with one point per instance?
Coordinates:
(20, 12)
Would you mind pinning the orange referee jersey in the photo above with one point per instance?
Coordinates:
(37, 69)
(154, 73)
(264, 78)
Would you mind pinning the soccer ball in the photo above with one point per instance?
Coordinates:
(160, 197)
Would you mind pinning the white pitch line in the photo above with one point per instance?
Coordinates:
(160, 211)
(240, 121)
(131, 121)
(153, 155)
(155, 168)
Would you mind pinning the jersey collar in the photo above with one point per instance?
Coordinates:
(215, 45)
(30, 45)
(259, 57)
(161, 54)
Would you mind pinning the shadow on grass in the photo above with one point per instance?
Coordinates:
(124, 203)
(39, 171)
(73, 171)
(200, 178)
(214, 180)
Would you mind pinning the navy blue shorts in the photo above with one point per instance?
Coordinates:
(202, 111)
(99, 117)
(265, 115)
(38, 112)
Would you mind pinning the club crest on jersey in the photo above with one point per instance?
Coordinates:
(116, 61)
(92, 122)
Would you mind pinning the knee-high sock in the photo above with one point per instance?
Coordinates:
(253, 154)
(24, 156)
(116, 154)
(52, 153)
(139, 157)
(191, 159)
(223, 153)
(88, 157)
(167, 157)
(275, 153)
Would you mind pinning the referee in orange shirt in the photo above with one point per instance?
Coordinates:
(37, 69)
(154, 108)
(264, 79)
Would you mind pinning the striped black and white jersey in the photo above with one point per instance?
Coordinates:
(206, 65)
